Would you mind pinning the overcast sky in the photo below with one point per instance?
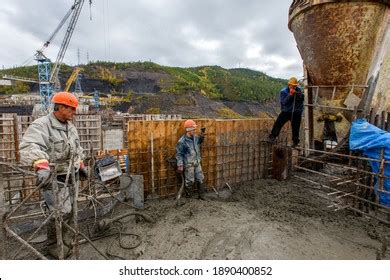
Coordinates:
(229, 33)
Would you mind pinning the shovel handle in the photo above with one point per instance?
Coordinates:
(180, 192)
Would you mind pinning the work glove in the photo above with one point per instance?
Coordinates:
(43, 176)
(83, 173)
(180, 169)
(292, 91)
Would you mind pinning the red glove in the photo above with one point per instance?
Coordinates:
(180, 169)
(292, 91)
(43, 172)
(41, 164)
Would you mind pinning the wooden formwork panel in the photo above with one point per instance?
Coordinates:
(234, 151)
(143, 117)
(240, 149)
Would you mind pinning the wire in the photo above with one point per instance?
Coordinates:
(120, 234)
(90, 9)
(28, 60)
(104, 30)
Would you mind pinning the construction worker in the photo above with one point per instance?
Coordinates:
(188, 158)
(53, 139)
(291, 101)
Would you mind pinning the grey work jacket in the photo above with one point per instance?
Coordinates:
(188, 150)
(46, 133)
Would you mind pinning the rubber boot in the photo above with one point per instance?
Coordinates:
(201, 190)
(188, 191)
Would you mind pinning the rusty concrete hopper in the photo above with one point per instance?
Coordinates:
(343, 45)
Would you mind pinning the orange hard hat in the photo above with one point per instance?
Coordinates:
(293, 81)
(189, 125)
(65, 98)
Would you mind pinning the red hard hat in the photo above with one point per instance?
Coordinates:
(189, 124)
(65, 98)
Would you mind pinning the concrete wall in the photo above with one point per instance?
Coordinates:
(113, 139)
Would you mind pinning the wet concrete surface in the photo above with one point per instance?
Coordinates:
(266, 219)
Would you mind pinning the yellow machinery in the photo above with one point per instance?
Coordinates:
(72, 78)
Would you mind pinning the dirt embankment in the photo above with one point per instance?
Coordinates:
(266, 219)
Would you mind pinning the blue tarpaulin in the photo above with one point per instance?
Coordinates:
(371, 140)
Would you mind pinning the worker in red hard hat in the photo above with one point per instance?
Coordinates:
(188, 158)
(53, 139)
(291, 102)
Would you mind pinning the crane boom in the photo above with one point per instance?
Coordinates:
(77, 6)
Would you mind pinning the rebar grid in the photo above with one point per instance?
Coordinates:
(349, 183)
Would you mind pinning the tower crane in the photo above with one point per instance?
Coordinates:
(48, 72)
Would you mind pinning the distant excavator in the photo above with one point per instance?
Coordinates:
(345, 47)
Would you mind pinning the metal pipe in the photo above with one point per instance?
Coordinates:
(58, 218)
(75, 183)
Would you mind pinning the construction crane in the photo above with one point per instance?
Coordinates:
(48, 73)
(74, 78)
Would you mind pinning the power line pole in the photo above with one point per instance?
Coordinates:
(78, 56)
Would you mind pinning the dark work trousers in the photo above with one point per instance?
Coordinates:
(284, 117)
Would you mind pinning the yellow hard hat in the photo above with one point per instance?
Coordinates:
(293, 81)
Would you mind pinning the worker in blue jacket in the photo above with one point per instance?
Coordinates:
(188, 158)
(291, 101)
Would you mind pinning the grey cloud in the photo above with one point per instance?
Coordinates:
(145, 29)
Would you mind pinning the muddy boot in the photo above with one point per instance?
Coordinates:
(201, 190)
(187, 191)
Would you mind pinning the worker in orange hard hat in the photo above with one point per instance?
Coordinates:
(291, 101)
(188, 158)
(53, 139)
